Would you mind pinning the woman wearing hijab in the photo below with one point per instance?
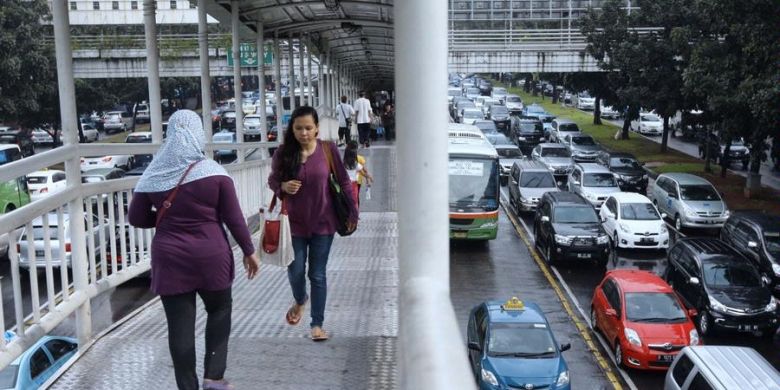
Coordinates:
(299, 175)
(188, 198)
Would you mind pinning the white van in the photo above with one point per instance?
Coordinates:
(720, 368)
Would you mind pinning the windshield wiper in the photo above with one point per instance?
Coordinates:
(655, 319)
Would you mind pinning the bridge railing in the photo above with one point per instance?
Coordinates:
(40, 238)
(521, 40)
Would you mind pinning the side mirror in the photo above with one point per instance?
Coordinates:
(610, 313)
(692, 312)
(565, 347)
(545, 218)
(575, 182)
(752, 244)
(694, 280)
(664, 215)
(474, 346)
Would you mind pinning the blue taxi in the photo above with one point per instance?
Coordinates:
(511, 346)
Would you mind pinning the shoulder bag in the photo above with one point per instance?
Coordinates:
(341, 202)
(347, 119)
(276, 239)
(168, 202)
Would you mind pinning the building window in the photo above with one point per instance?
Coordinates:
(114, 5)
(133, 5)
(73, 6)
(193, 4)
(96, 5)
(173, 4)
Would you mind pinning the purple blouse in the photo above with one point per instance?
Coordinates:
(311, 209)
(190, 250)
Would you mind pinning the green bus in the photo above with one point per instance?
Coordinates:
(474, 184)
(13, 193)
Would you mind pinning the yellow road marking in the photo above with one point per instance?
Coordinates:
(581, 327)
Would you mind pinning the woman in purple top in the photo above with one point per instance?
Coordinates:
(190, 250)
(299, 175)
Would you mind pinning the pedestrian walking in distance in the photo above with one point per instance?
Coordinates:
(364, 114)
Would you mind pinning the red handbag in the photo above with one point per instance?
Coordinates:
(272, 229)
(276, 239)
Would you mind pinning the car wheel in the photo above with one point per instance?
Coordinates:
(593, 323)
(705, 323)
(678, 223)
(550, 255)
(615, 242)
(618, 354)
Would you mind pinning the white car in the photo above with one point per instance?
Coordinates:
(224, 137)
(89, 132)
(114, 161)
(142, 113)
(41, 137)
(585, 101)
(609, 112)
(39, 242)
(252, 130)
(44, 183)
(648, 124)
(514, 103)
(593, 181)
(471, 115)
(112, 122)
(632, 221)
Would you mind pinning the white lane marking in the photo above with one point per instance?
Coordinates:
(574, 299)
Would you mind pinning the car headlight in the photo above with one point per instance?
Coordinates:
(563, 379)
(602, 239)
(632, 336)
(624, 228)
(690, 212)
(717, 306)
(488, 225)
(772, 305)
(726, 214)
(563, 240)
(520, 138)
(693, 336)
(776, 269)
(489, 377)
(644, 177)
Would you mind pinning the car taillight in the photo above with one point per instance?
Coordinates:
(42, 190)
(67, 247)
(107, 159)
(82, 161)
(18, 248)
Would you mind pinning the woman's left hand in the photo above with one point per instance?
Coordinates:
(251, 265)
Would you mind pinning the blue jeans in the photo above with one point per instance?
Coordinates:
(316, 249)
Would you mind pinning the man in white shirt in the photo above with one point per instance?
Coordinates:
(344, 113)
(364, 115)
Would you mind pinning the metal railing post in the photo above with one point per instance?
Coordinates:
(235, 24)
(309, 84)
(431, 351)
(278, 86)
(320, 80)
(261, 76)
(301, 69)
(69, 118)
(153, 69)
(291, 72)
(205, 72)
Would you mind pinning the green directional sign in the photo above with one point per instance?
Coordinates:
(248, 55)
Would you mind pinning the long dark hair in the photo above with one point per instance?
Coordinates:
(350, 155)
(291, 149)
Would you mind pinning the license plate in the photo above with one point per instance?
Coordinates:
(583, 255)
(646, 240)
(665, 358)
(747, 328)
(459, 235)
(92, 162)
(40, 253)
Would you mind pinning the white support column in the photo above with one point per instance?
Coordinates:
(291, 72)
(153, 69)
(310, 85)
(339, 87)
(431, 353)
(261, 76)
(302, 94)
(70, 136)
(320, 80)
(205, 73)
(235, 23)
(278, 86)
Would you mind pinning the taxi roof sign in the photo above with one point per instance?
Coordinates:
(513, 304)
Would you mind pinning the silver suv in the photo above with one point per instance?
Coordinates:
(593, 181)
(561, 127)
(690, 200)
(555, 157)
(582, 147)
(528, 181)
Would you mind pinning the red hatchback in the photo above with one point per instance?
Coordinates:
(642, 319)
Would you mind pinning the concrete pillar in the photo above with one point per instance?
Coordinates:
(278, 85)
(261, 77)
(309, 84)
(291, 72)
(302, 94)
(320, 80)
(153, 69)
(235, 23)
(70, 136)
(205, 74)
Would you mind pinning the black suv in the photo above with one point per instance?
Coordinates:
(21, 138)
(500, 116)
(566, 227)
(724, 287)
(757, 235)
(630, 174)
(228, 120)
(526, 132)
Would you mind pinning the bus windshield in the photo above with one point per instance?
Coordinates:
(473, 183)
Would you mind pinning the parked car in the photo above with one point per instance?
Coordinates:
(561, 127)
(712, 367)
(499, 94)
(44, 183)
(585, 101)
(38, 240)
(609, 112)
(642, 319)
(224, 137)
(738, 152)
(633, 222)
(500, 115)
(471, 115)
(142, 113)
(38, 363)
(592, 181)
(113, 123)
(581, 146)
(689, 200)
(21, 138)
(648, 124)
(140, 137)
(511, 345)
(228, 120)
(566, 227)
(508, 154)
(628, 172)
(42, 137)
(555, 157)
(529, 180)
(756, 235)
(526, 132)
(724, 287)
(514, 104)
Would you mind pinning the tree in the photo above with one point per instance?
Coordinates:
(28, 85)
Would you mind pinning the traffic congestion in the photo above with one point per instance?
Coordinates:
(654, 262)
